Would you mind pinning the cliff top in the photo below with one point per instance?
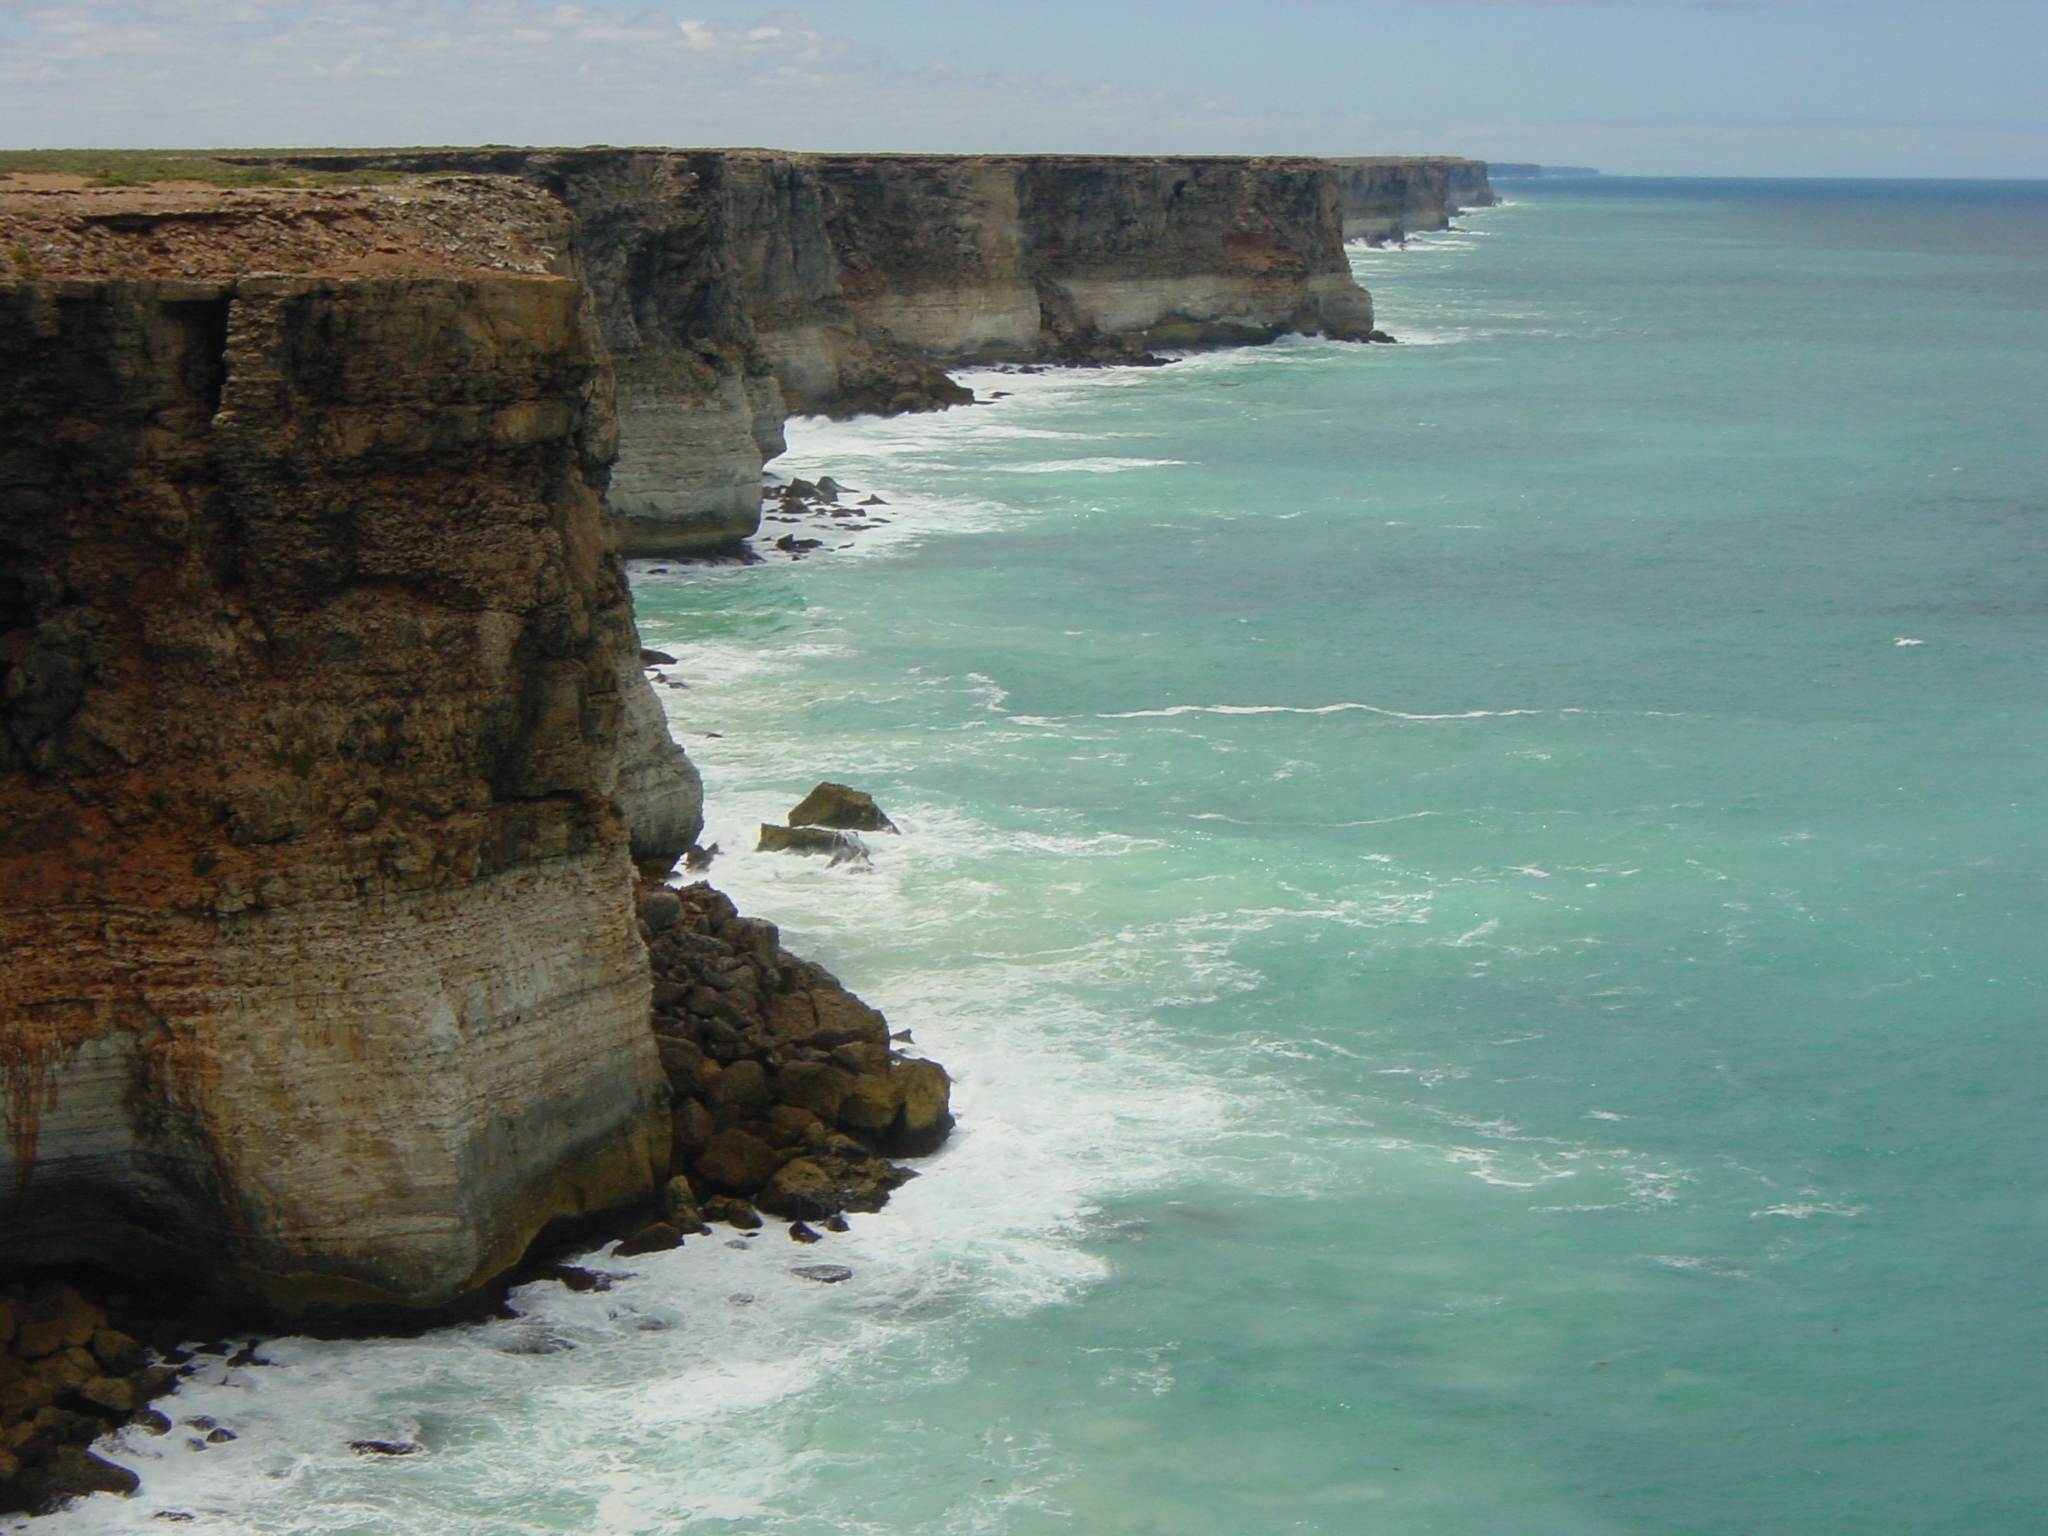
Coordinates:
(57, 223)
(1403, 160)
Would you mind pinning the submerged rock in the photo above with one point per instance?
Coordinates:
(824, 1274)
(840, 847)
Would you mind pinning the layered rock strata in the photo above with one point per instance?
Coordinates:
(1387, 198)
(321, 983)
(735, 287)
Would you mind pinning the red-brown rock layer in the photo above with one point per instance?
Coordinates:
(320, 975)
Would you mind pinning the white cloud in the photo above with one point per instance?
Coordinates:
(188, 73)
(218, 73)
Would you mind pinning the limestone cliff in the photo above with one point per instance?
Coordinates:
(736, 286)
(325, 752)
(318, 969)
(1071, 258)
(1391, 197)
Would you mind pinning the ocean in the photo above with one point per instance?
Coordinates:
(1485, 899)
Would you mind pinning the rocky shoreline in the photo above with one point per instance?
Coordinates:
(327, 750)
(790, 1097)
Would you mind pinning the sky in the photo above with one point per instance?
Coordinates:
(1946, 88)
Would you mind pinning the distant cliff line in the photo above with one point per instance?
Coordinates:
(326, 755)
(735, 288)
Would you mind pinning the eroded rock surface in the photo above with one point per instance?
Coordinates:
(1387, 198)
(320, 976)
(735, 287)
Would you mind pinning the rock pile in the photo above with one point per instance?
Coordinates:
(824, 821)
(67, 1376)
(788, 1094)
(819, 505)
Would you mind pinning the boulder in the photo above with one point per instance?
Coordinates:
(733, 1212)
(840, 806)
(739, 1162)
(679, 1207)
(753, 937)
(812, 1085)
(871, 1105)
(789, 1126)
(822, 1018)
(116, 1394)
(738, 1093)
(118, 1354)
(55, 1317)
(927, 1118)
(690, 1131)
(655, 1237)
(864, 1055)
(72, 1473)
(820, 1185)
(682, 1062)
(659, 910)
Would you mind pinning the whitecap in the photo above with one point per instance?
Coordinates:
(1321, 709)
(1099, 466)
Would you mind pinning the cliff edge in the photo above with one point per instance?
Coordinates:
(322, 984)
(1386, 198)
(737, 287)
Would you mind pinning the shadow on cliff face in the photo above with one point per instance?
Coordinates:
(789, 1095)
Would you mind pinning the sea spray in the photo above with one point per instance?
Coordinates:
(1588, 1089)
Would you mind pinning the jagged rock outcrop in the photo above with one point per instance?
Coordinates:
(1388, 198)
(319, 977)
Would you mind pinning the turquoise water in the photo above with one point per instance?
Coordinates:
(1485, 898)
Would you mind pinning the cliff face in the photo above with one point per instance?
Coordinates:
(1389, 198)
(1073, 258)
(325, 752)
(320, 973)
(733, 287)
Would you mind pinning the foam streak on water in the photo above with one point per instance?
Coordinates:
(1491, 991)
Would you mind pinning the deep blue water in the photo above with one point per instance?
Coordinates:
(1486, 898)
